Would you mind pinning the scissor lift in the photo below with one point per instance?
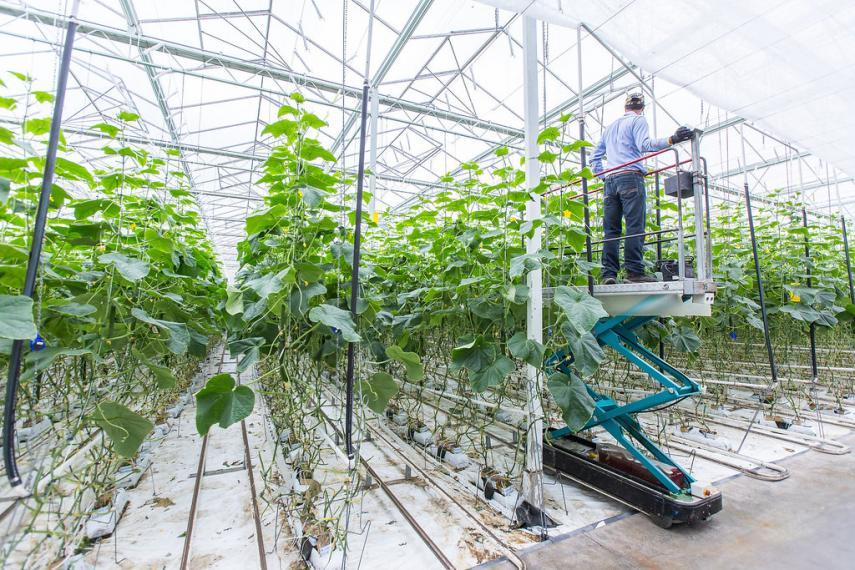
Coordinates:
(648, 479)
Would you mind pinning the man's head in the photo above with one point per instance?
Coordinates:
(634, 101)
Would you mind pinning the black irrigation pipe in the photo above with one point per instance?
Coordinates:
(848, 260)
(9, 459)
(812, 329)
(767, 337)
(354, 280)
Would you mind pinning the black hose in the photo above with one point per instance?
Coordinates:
(354, 280)
(9, 459)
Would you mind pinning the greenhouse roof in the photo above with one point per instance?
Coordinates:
(206, 76)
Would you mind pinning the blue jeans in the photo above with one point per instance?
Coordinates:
(624, 198)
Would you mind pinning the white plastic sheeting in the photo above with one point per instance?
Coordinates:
(788, 66)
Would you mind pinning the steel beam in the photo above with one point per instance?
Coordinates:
(151, 45)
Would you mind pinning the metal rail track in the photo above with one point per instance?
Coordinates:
(197, 486)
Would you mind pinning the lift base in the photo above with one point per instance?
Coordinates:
(662, 507)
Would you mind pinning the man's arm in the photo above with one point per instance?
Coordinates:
(597, 156)
(642, 137)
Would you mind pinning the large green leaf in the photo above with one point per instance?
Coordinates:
(492, 374)
(582, 310)
(522, 263)
(179, 334)
(221, 402)
(265, 219)
(336, 319)
(587, 352)
(250, 348)
(16, 317)
(265, 285)
(378, 390)
(74, 309)
(42, 359)
(569, 392)
(131, 268)
(526, 350)
(234, 303)
(410, 360)
(126, 429)
(162, 375)
(684, 339)
(473, 353)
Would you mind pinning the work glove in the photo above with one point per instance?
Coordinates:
(682, 134)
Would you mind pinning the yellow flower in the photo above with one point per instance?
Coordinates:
(133, 227)
(514, 219)
(375, 217)
(568, 214)
(300, 193)
(795, 298)
(102, 248)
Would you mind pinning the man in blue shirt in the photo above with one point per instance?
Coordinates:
(625, 140)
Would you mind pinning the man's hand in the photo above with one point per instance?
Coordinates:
(682, 134)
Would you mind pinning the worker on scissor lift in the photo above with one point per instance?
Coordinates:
(625, 140)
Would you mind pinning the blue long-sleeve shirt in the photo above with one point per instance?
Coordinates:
(626, 139)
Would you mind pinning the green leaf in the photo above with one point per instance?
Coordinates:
(265, 284)
(126, 429)
(582, 310)
(685, 339)
(16, 317)
(492, 374)
(234, 303)
(548, 134)
(8, 103)
(587, 352)
(517, 294)
(265, 219)
(473, 353)
(527, 350)
(287, 110)
(128, 117)
(37, 126)
(337, 319)
(108, 129)
(378, 390)
(162, 375)
(250, 348)
(179, 334)
(572, 397)
(42, 360)
(522, 263)
(85, 208)
(410, 360)
(221, 402)
(281, 127)
(6, 136)
(74, 309)
(131, 268)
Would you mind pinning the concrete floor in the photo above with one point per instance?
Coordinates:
(805, 521)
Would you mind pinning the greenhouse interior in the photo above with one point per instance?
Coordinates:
(371, 283)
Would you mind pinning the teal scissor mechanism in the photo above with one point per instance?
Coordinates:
(618, 333)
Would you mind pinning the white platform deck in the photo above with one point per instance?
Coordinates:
(689, 297)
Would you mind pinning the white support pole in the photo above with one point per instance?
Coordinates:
(533, 474)
(372, 149)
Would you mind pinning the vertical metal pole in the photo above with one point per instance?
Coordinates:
(354, 279)
(659, 245)
(39, 226)
(533, 476)
(372, 149)
(698, 184)
(812, 332)
(763, 313)
(583, 161)
(848, 260)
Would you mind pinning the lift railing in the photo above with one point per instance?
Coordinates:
(700, 197)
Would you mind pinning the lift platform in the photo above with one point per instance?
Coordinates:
(636, 471)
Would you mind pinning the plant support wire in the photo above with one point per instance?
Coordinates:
(39, 227)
